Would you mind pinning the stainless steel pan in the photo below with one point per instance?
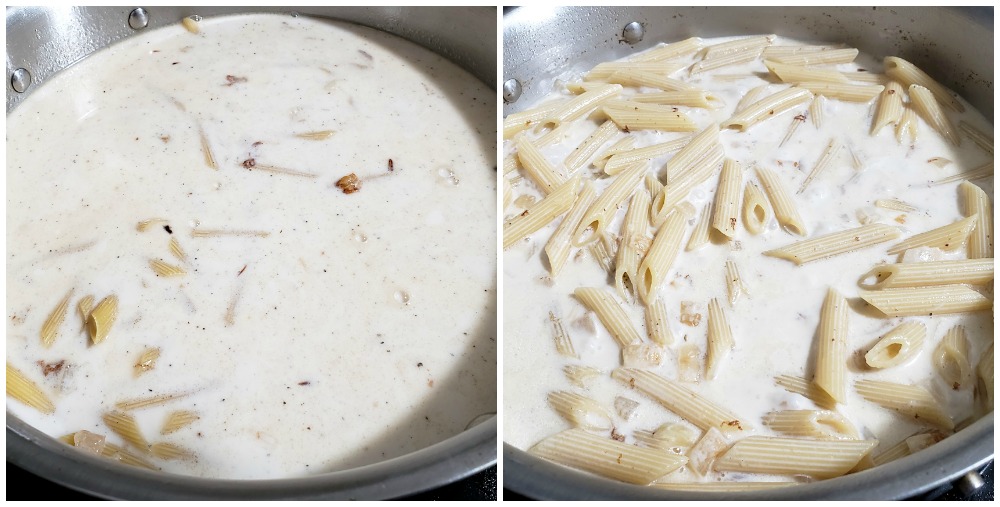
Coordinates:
(954, 45)
(43, 41)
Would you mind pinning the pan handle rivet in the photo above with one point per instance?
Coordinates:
(511, 91)
(138, 18)
(633, 32)
(20, 80)
(969, 483)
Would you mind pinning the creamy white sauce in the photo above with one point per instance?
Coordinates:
(774, 327)
(363, 324)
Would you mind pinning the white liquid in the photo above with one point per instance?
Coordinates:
(326, 365)
(774, 327)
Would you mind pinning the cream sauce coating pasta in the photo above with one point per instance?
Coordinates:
(322, 330)
(775, 325)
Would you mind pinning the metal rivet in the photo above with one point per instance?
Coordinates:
(196, 18)
(511, 91)
(633, 32)
(294, 14)
(970, 483)
(138, 18)
(20, 80)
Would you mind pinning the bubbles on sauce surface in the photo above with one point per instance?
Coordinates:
(448, 176)
(402, 297)
(359, 236)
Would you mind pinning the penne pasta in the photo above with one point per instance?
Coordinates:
(820, 459)
(683, 402)
(727, 199)
(784, 207)
(693, 153)
(898, 346)
(810, 390)
(124, 425)
(85, 306)
(951, 358)
(596, 219)
(657, 323)
(700, 235)
(604, 70)
(662, 253)
(564, 345)
(516, 122)
(689, 98)
(982, 139)
(827, 56)
(983, 171)
(923, 274)
(537, 167)
(910, 400)
(890, 106)
(938, 300)
(984, 386)
(622, 145)
(720, 339)
(709, 447)
(649, 116)
(50, 329)
(147, 361)
(831, 347)
(797, 121)
(101, 318)
(742, 45)
(508, 194)
(649, 80)
(756, 212)
(168, 451)
(580, 376)
(558, 247)
(821, 247)
(867, 77)
(580, 411)
(734, 282)
(541, 213)
(949, 237)
(894, 204)
(603, 251)
(610, 313)
(582, 104)
(750, 97)
(796, 74)
(634, 244)
(825, 424)
(844, 91)
(772, 52)
(122, 455)
(166, 270)
(907, 125)
(624, 462)
(553, 136)
(623, 160)
(24, 390)
(816, 110)
(927, 107)
(176, 250)
(177, 420)
(589, 146)
(768, 107)
(832, 148)
(679, 186)
(670, 51)
(908, 74)
(148, 401)
(975, 203)
(744, 55)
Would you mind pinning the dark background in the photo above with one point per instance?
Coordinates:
(23, 485)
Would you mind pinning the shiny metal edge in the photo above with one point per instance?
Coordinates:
(442, 463)
(82, 30)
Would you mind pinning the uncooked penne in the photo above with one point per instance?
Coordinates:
(756, 211)
(826, 424)
(976, 203)
(634, 245)
(589, 146)
(909, 74)
(768, 107)
(949, 237)
(923, 274)
(820, 459)
(541, 213)
(537, 167)
(938, 300)
(898, 346)
(725, 213)
(927, 107)
(720, 339)
(890, 106)
(600, 455)
(831, 346)
(911, 400)
(23, 389)
(580, 411)
(951, 358)
(689, 405)
(559, 244)
(784, 207)
(610, 313)
(661, 256)
(836, 243)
